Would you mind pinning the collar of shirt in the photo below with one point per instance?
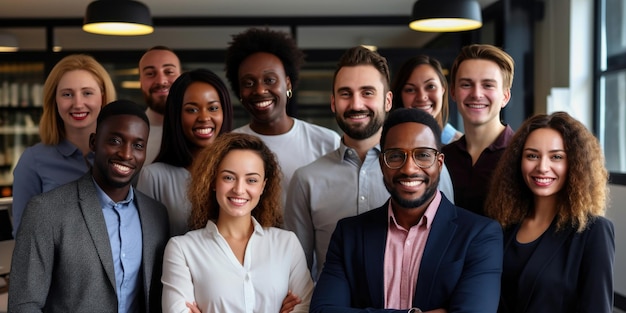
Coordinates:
(427, 218)
(67, 149)
(349, 154)
(211, 228)
(106, 200)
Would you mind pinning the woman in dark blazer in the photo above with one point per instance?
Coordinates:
(549, 193)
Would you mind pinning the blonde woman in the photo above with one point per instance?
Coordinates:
(74, 92)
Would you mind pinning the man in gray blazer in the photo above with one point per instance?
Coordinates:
(95, 244)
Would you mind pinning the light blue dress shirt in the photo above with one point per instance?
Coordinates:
(42, 168)
(124, 228)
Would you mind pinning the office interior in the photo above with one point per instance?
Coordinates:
(556, 44)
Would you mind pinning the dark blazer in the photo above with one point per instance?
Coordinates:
(63, 262)
(460, 268)
(568, 272)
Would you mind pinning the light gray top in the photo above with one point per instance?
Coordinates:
(168, 184)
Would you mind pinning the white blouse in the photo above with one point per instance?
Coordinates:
(200, 266)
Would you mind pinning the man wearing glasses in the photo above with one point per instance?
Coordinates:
(418, 252)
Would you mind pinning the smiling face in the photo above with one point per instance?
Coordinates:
(79, 100)
(544, 163)
(239, 183)
(263, 87)
(359, 101)
(201, 115)
(411, 186)
(119, 147)
(423, 90)
(158, 69)
(479, 92)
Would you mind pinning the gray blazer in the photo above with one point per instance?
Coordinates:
(63, 262)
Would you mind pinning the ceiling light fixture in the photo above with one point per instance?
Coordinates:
(8, 43)
(118, 17)
(446, 15)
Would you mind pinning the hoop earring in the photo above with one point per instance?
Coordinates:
(289, 93)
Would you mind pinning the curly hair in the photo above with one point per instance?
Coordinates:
(175, 148)
(256, 40)
(485, 52)
(403, 76)
(51, 125)
(584, 193)
(204, 205)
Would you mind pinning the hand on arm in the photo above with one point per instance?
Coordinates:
(289, 303)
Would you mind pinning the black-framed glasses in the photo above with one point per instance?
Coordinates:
(423, 157)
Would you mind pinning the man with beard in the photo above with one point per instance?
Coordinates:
(95, 244)
(418, 250)
(158, 69)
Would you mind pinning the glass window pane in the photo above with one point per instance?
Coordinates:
(613, 119)
(615, 27)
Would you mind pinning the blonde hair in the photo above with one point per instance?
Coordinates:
(485, 52)
(204, 206)
(51, 126)
(584, 193)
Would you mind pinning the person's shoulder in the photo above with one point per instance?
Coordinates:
(149, 201)
(468, 217)
(321, 166)
(245, 129)
(600, 224)
(314, 128)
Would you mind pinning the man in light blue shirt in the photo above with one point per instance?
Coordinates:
(94, 244)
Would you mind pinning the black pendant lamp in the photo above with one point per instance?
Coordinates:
(446, 15)
(118, 17)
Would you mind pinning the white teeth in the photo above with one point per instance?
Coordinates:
(204, 131)
(411, 183)
(238, 200)
(121, 168)
(263, 104)
(477, 106)
(544, 180)
(79, 114)
(360, 116)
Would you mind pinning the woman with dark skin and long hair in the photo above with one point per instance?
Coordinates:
(235, 258)
(549, 193)
(198, 110)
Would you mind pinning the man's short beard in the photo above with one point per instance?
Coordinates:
(414, 203)
(365, 132)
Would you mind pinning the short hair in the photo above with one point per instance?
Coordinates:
(485, 52)
(410, 115)
(405, 72)
(122, 107)
(256, 40)
(51, 126)
(204, 171)
(175, 148)
(584, 193)
(360, 55)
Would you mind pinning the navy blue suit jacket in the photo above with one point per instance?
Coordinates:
(460, 268)
(568, 271)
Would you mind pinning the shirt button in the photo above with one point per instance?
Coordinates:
(362, 198)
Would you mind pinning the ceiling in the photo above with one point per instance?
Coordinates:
(217, 37)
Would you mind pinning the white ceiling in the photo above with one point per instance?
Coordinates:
(73, 38)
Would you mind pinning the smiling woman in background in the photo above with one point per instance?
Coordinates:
(73, 94)
(421, 83)
(197, 111)
(549, 193)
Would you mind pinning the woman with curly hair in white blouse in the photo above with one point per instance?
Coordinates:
(235, 259)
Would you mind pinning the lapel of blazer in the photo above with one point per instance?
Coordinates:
(94, 219)
(374, 242)
(548, 247)
(147, 239)
(441, 234)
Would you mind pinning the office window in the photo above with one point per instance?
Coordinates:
(611, 84)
